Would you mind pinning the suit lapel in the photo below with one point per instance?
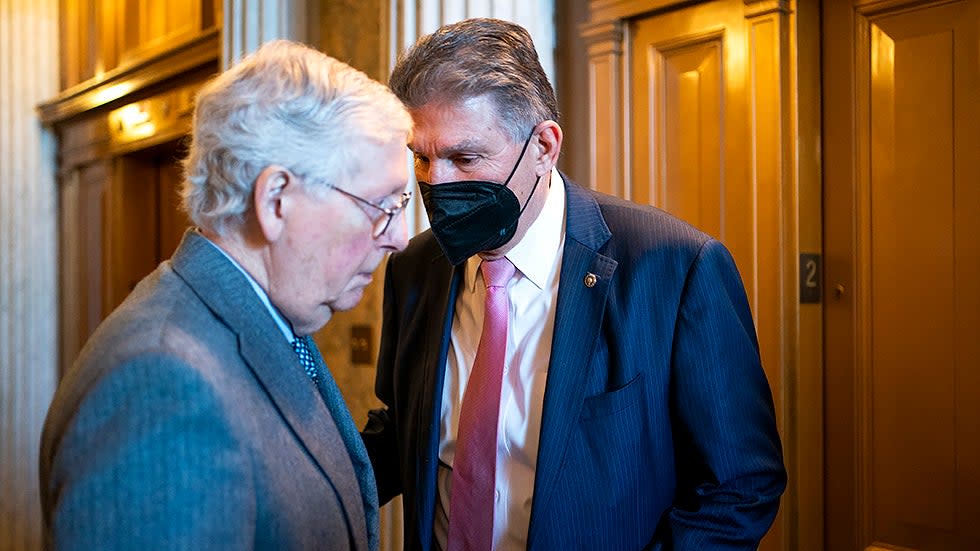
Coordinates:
(368, 515)
(578, 320)
(441, 289)
(223, 288)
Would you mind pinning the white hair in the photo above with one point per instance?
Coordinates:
(287, 104)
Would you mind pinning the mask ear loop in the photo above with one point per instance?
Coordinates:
(520, 158)
(527, 142)
(526, 203)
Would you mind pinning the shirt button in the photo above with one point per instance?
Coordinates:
(496, 495)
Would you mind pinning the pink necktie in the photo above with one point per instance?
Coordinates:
(472, 498)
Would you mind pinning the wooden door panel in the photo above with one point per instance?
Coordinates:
(913, 383)
(916, 197)
(144, 221)
(678, 126)
(173, 220)
(82, 198)
(911, 235)
(687, 106)
(147, 27)
(131, 224)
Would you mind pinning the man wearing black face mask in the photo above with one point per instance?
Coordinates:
(561, 369)
(471, 216)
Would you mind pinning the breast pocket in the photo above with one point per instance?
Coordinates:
(615, 401)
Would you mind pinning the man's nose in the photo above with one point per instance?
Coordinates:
(395, 238)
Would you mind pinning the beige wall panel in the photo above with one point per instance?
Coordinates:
(29, 260)
(366, 49)
(572, 87)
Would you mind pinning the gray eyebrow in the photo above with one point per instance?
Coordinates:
(470, 145)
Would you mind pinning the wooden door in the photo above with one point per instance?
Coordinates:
(710, 138)
(119, 219)
(173, 220)
(688, 124)
(81, 196)
(902, 241)
(144, 222)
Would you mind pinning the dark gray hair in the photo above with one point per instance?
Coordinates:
(475, 57)
(286, 104)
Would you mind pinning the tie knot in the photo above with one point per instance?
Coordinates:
(496, 273)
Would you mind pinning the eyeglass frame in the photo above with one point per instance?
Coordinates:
(391, 212)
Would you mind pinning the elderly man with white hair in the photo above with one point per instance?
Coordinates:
(200, 413)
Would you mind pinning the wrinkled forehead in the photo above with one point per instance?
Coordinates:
(466, 124)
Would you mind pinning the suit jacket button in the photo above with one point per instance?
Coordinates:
(590, 280)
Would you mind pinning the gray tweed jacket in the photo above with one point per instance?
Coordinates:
(187, 423)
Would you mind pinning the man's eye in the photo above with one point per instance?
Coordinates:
(466, 160)
(421, 159)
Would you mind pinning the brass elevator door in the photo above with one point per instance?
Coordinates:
(902, 242)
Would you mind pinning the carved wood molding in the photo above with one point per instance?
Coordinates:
(608, 10)
(869, 8)
(758, 8)
(126, 81)
(160, 118)
(605, 38)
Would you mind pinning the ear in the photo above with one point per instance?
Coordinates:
(267, 196)
(548, 145)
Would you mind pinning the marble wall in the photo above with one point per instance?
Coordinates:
(28, 261)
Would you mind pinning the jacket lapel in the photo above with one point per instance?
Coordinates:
(368, 490)
(226, 291)
(578, 321)
(441, 289)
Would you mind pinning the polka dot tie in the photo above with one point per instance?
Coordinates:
(301, 346)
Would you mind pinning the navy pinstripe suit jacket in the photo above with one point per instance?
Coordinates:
(658, 429)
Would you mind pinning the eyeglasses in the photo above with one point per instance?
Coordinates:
(381, 223)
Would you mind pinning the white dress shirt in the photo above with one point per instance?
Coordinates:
(531, 323)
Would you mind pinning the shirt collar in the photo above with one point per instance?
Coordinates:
(284, 326)
(534, 255)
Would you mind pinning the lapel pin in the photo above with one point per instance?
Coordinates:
(590, 280)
